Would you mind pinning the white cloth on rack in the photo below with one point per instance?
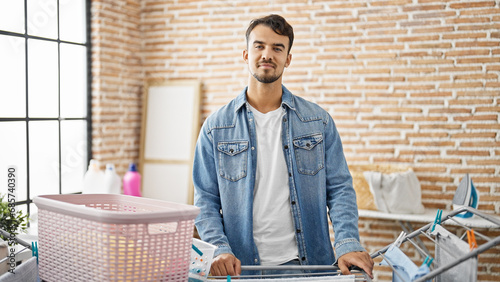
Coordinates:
(396, 192)
(25, 272)
(448, 249)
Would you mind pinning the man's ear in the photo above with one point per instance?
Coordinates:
(288, 60)
(245, 55)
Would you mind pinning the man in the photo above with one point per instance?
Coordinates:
(266, 168)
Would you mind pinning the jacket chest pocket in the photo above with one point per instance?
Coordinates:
(233, 159)
(309, 153)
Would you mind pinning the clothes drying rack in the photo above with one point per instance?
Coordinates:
(425, 231)
(26, 270)
(330, 273)
(320, 273)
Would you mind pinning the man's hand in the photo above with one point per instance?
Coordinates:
(224, 265)
(359, 259)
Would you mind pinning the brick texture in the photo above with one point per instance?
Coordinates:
(414, 82)
(118, 78)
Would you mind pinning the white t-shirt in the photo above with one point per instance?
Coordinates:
(274, 232)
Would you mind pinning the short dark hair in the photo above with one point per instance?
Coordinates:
(277, 23)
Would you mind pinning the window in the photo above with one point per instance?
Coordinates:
(45, 79)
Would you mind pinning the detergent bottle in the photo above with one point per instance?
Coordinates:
(112, 182)
(132, 182)
(93, 179)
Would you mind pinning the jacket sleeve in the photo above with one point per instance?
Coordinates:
(341, 197)
(209, 222)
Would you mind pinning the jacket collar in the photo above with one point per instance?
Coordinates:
(286, 99)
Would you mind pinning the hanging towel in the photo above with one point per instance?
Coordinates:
(405, 268)
(26, 271)
(396, 192)
(448, 249)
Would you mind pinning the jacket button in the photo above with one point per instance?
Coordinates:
(303, 258)
(293, 202)
(290, 174)
(298, 230)
(286, 147)
(284, 119)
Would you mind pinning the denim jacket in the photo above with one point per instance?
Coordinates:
(320, 183)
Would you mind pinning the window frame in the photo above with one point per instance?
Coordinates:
(87, 44)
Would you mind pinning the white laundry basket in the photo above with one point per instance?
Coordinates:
(106, 237)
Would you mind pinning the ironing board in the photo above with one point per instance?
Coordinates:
(427, 216)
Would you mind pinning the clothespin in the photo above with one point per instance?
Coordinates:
(437, 220)
(34, 250)
(400, 239)
(472, 239)
(428, 260)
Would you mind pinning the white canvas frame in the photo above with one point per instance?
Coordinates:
(170, 126)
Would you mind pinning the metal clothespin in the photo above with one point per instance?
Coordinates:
(437, 220)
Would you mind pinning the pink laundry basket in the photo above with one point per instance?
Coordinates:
(105, 237)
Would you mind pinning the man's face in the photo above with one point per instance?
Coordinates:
(266, 54)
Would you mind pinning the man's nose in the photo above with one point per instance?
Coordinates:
(267, 55)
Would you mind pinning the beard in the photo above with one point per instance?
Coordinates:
(267, 78)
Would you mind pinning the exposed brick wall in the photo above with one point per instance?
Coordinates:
(118, 78)
(413, 82)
